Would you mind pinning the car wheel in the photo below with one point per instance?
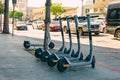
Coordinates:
(118, 33)
(65, 30)
(80, 32)
(97, 33)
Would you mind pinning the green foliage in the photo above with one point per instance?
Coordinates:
(17, 14)
(1, 7)
(57, 9)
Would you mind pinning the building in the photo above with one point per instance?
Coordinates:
(97, 7)
(37, 13)
(30, 12)
(22, 6)
(70, 11)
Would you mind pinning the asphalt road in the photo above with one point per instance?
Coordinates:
(102, 40)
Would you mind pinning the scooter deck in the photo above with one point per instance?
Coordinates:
(77, 63)
(37, 45)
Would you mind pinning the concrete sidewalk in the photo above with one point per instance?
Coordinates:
(17, 64)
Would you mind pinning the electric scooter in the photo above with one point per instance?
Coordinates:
(53, 59)
(28, 44)
(64, 63)
(44, 54)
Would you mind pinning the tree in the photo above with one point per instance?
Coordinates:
(1, 7)
(56, 9)
(17, 14)
(1, 12)
(6, 20)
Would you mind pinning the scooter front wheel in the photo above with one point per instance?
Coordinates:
(60, 65)
(50, 60)
(44, 56)
(38, 52)
(51, 45)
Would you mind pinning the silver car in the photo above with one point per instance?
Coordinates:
(82, 27)
(37, 24)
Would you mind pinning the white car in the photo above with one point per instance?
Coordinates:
(21, 25)
(37, 24)
(102, 25)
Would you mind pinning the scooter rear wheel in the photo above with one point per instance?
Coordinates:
(50, 60)
(93, 62)
(60, 65)
(26, 44)
(43, 56)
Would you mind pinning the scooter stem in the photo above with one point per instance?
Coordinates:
(69, 32)
(90, 35)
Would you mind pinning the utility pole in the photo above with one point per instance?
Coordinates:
(82, 8)
(13, 21)
(6, 19)
(1, 12)
(47, 23)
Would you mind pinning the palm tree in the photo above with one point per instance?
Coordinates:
(6, 20)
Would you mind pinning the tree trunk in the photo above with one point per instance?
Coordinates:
(6, 19)
(0, 22)
(47, 22)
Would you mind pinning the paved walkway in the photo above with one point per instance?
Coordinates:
(17, 64)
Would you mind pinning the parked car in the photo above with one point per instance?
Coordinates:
(54, 26)
(21, 25)
(29, 22)
(102, 23)
(82, 25)
(37, 24)
(113, 19)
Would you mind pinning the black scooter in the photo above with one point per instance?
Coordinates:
(65, 62)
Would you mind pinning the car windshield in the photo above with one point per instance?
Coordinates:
(82, 20)
(40, 22)
(20, 22)
(114, 14)
(85, 20)
(54, 22)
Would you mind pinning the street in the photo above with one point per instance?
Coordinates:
(103, 40)
(18, 64)
(105, 45)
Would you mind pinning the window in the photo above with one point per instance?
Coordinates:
(114, 14)
(102, 9)
(95, 9)
(87, 10)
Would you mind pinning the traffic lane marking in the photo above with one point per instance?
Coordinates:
(107, 66)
